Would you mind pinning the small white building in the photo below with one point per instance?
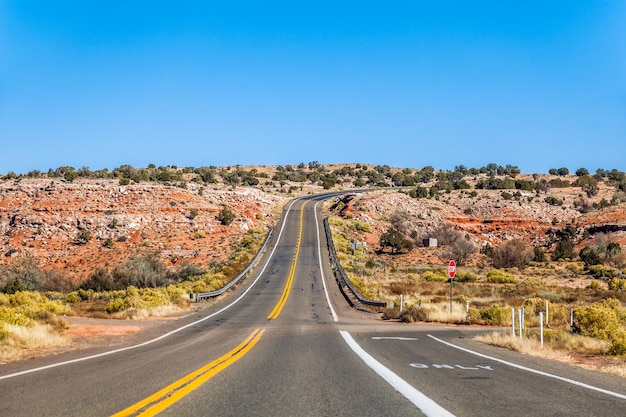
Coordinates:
(430, 242)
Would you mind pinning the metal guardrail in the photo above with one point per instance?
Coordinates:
(340, 276)
(203, 295)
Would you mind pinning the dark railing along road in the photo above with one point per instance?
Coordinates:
(274, 346)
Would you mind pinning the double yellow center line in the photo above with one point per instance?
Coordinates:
(283, 299)
(169, 395)
(164, 398)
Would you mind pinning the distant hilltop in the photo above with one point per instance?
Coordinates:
(328, 176)
(73, 222)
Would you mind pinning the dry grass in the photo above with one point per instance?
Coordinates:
(440, 312)
(22, 341)
(584, 352)
(142, 314)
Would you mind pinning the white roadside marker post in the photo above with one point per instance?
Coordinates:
(513, 321)
(541, 327)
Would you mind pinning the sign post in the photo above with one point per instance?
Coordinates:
(451, 274)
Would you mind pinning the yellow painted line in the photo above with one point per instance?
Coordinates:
(283, 299)
(164, 398)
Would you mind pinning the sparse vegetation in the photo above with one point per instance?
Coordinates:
(226, 216)
(567, 262)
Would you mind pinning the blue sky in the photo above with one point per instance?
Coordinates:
(537, 84)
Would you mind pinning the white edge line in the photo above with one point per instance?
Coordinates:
(535, 371)
(429, 407)
(110, 352)
(319, 255)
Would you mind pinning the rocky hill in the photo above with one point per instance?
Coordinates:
(77, 226)
(75, 223)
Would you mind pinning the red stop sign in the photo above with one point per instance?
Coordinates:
(452, 269)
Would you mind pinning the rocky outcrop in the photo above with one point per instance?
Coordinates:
(486, 216)
(78, 226)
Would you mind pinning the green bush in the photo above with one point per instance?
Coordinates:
(226, 216)
(618, 344)
(601, 271)
(4, 333)
(617, 284)
(438, 275)
(473, 315)
(72, 297)
(14, 316)
(599, 320)
(496, 315)
(498, 276)
(362, 227)
(116, 305)
(466, 276)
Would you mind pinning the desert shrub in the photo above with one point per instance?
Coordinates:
(23, 275)
(399, 287)
(361, 287)
(498, 276)
(618, 344)
(553, 201)
(154, 297)
(564, 249)
(83, 237)
(394, 239)
(496, 315)
(226, 216)
(116, 305)
(14, 316)
(85, 294)
(72, 297)
(56, 280)
(4, 333)
(466, 276)
(595, 285)
(99, 280)
(462, 249)
(617, 284)
(391, 314)
(25, 308)
(599, 320)
(190, 272)
(539, 254)
(589, 256)
(412, 315)
(600, 271)
(533, 306)
(147, 270)
(473, 315)
(514, 254)
(362, 227)
(438, 275)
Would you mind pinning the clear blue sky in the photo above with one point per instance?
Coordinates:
(537, 84)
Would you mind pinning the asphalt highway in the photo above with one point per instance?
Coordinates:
(284, 342)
